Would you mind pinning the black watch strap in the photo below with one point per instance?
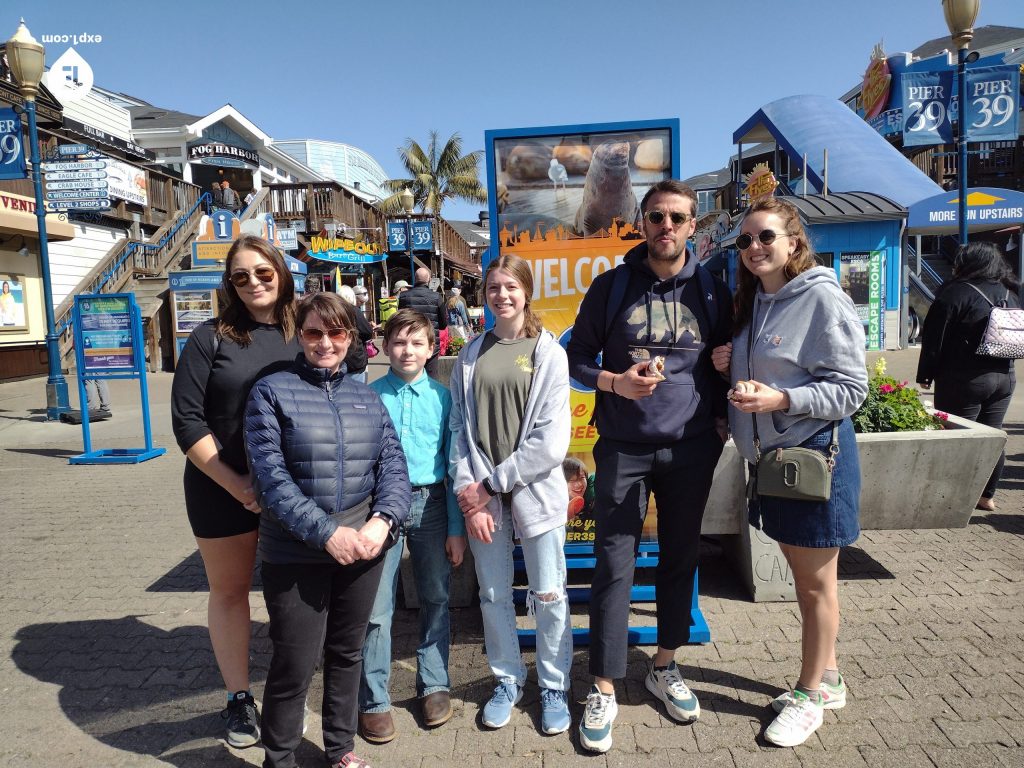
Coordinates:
(487, 487)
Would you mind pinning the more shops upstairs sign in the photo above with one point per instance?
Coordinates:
(987, 208)
(216, 153)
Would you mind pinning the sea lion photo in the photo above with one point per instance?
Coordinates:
(608, 190)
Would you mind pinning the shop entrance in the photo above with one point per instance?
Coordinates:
(240, 178)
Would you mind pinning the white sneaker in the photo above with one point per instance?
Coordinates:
(832, 696)
(798, 720)
(596, 725)
(668, 686)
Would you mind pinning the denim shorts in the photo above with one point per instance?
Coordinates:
(817, 524)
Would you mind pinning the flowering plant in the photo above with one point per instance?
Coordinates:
(893, 406)
(455, 344)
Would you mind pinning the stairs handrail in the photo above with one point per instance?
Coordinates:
(918, 283)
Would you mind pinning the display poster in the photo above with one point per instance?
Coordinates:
(107, 333)
(568, 201)
(12, 303)
(191, 309)
(126, 182)
(993, 103)
(862, 278)
(926, 98)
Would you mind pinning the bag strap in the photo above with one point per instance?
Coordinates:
(986, 298)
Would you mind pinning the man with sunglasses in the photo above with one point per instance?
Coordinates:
(656, 436)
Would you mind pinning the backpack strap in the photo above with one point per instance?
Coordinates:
(986, 298)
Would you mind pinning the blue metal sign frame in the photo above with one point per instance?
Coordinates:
(111, 318)
(12, 146)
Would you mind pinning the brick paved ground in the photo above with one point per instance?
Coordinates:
(105, 660)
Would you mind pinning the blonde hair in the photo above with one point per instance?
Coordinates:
(519, 268)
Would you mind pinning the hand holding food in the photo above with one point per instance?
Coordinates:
(656, 368)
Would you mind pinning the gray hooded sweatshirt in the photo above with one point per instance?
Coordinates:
(809, 343)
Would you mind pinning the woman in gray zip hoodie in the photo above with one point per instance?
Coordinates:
(796, 365)
(510, 424)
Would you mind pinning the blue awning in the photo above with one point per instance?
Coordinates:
(859, 160)
(988, 208)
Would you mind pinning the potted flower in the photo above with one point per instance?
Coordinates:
(893, 406)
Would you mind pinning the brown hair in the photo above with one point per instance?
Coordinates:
(411, 319)
(235, 322)
(519, 268)
(801, 260)
(333, 310)
(670, 187)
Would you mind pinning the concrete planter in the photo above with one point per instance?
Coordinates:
(910, 480)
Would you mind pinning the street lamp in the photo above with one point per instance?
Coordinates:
(408, 201)
(960, 16)
(27, 58)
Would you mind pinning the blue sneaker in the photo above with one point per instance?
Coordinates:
(498, 711)
(667, 684)
(598, 716)
(554, 711)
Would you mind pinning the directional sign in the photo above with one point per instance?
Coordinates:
(83, 184)
(77, 165)
(77, 194)
(79, 205)
(75, 175)
(74, 149)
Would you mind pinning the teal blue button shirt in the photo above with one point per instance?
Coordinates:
(420, 413)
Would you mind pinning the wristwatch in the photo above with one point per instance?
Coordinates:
(487, 487)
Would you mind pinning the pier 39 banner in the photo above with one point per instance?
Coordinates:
(567, 200)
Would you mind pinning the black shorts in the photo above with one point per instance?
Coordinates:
(214, 513)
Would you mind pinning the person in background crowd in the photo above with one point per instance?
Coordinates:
(420, 408)
(356, 359)
(97, 393)
(458, 315)
(362, 298)
(254, 335)
(250, 197)
(332, 481)
(976, 387)
(660, 436)
(510, 432)
(215, 198)
(798, 330)
(428, 303)
(228, 197)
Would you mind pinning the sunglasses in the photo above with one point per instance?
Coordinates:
(241, 278)
(656, 217)
(313, 335)
(766, 236)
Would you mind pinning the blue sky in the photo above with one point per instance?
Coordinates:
(373, 73)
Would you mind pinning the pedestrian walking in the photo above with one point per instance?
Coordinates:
(968, 384)
(254, 335)
(796, 329)
(334, 489)
(427, 302)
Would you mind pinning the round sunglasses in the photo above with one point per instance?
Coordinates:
(313, 335)
(241, 278)
(765, 236)
(656, 217)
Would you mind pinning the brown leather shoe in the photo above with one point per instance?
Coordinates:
(437, 708)
(376, 727)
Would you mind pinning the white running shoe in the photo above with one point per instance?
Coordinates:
(832, 696)
(798, 720)
(668, 685)
(596, 725)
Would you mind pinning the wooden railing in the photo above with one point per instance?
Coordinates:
(322, 203)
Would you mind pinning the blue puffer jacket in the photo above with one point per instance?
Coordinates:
(323, 452)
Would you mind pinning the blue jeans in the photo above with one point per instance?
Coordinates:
(425, 530)
(545, 571)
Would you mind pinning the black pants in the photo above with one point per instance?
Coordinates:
(679, 475)
(983, 398)
(314, 607)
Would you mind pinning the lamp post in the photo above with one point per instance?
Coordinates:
(27, 57)
(408, 201)
(960, 16)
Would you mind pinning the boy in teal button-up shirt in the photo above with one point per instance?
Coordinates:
(435, 531)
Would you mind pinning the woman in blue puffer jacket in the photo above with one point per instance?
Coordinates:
(333, 485)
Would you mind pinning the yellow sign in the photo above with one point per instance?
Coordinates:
(761, 183)
(874, 90)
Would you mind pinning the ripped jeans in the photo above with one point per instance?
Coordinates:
(546, 602)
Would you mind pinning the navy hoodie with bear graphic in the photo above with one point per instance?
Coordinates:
(655, 317)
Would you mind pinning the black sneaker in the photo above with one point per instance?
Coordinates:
(243, 721)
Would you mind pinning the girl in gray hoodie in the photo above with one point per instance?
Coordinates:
(796, 366)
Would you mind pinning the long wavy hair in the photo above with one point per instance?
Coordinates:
(801, 260)
(519, 268)
(235, 322)
(983, 261)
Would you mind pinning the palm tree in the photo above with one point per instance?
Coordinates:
(438, 175)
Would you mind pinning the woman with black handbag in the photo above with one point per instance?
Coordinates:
(797, 370)
(968, 384)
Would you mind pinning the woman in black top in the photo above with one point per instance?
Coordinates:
(253, 337)
(967, 384)
(356, 359)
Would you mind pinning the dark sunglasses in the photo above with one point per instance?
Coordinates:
(313, 335)
(766, 236)
(241, 278)
(656, 217)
